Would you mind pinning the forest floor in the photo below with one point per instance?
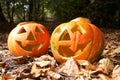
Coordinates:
(47, 68)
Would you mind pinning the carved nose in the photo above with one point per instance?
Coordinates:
(30, 36)
(75, 40)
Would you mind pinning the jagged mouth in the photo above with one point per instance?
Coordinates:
(29, 47)
(67, 52)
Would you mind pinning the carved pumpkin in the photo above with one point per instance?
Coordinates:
(28, 39)
(78, 39)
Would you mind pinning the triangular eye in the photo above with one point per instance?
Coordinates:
(30, 36)
(37, 30)
(65, 36)
(22, 30)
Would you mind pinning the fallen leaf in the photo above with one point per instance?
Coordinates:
(105, 65)
(86, 64)
(43, 63)
(70, 67)
(54, 75)
(37, 71)
(8, 77)
(104, 77)
(116, 72)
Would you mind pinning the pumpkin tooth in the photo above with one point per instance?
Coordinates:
(78, 52)
(40, 45)
(82, 29)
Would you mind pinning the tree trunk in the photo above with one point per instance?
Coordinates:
(30, 10)
(2, 17)
(5, 26)
(10, 11)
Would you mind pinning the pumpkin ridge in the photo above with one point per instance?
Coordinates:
(91, 42)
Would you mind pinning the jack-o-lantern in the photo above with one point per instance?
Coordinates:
(79, 39)
(29, 39)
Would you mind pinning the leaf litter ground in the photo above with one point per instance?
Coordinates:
(47, 68)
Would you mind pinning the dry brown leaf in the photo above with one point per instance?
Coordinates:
(54, 75)
(37, 71)
(42, 66)
(114, 55)
(43, 63)
(116, 73)
(2, 64)
(85, 74)
(8, 77)
(23, 59)
(116, 51)
(86, 64)
(104, 77)
(27, 79)
(70, 67)
(46, 60)
(105, 65)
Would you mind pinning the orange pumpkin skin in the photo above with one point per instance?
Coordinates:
(79, 39)
(29, 39)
